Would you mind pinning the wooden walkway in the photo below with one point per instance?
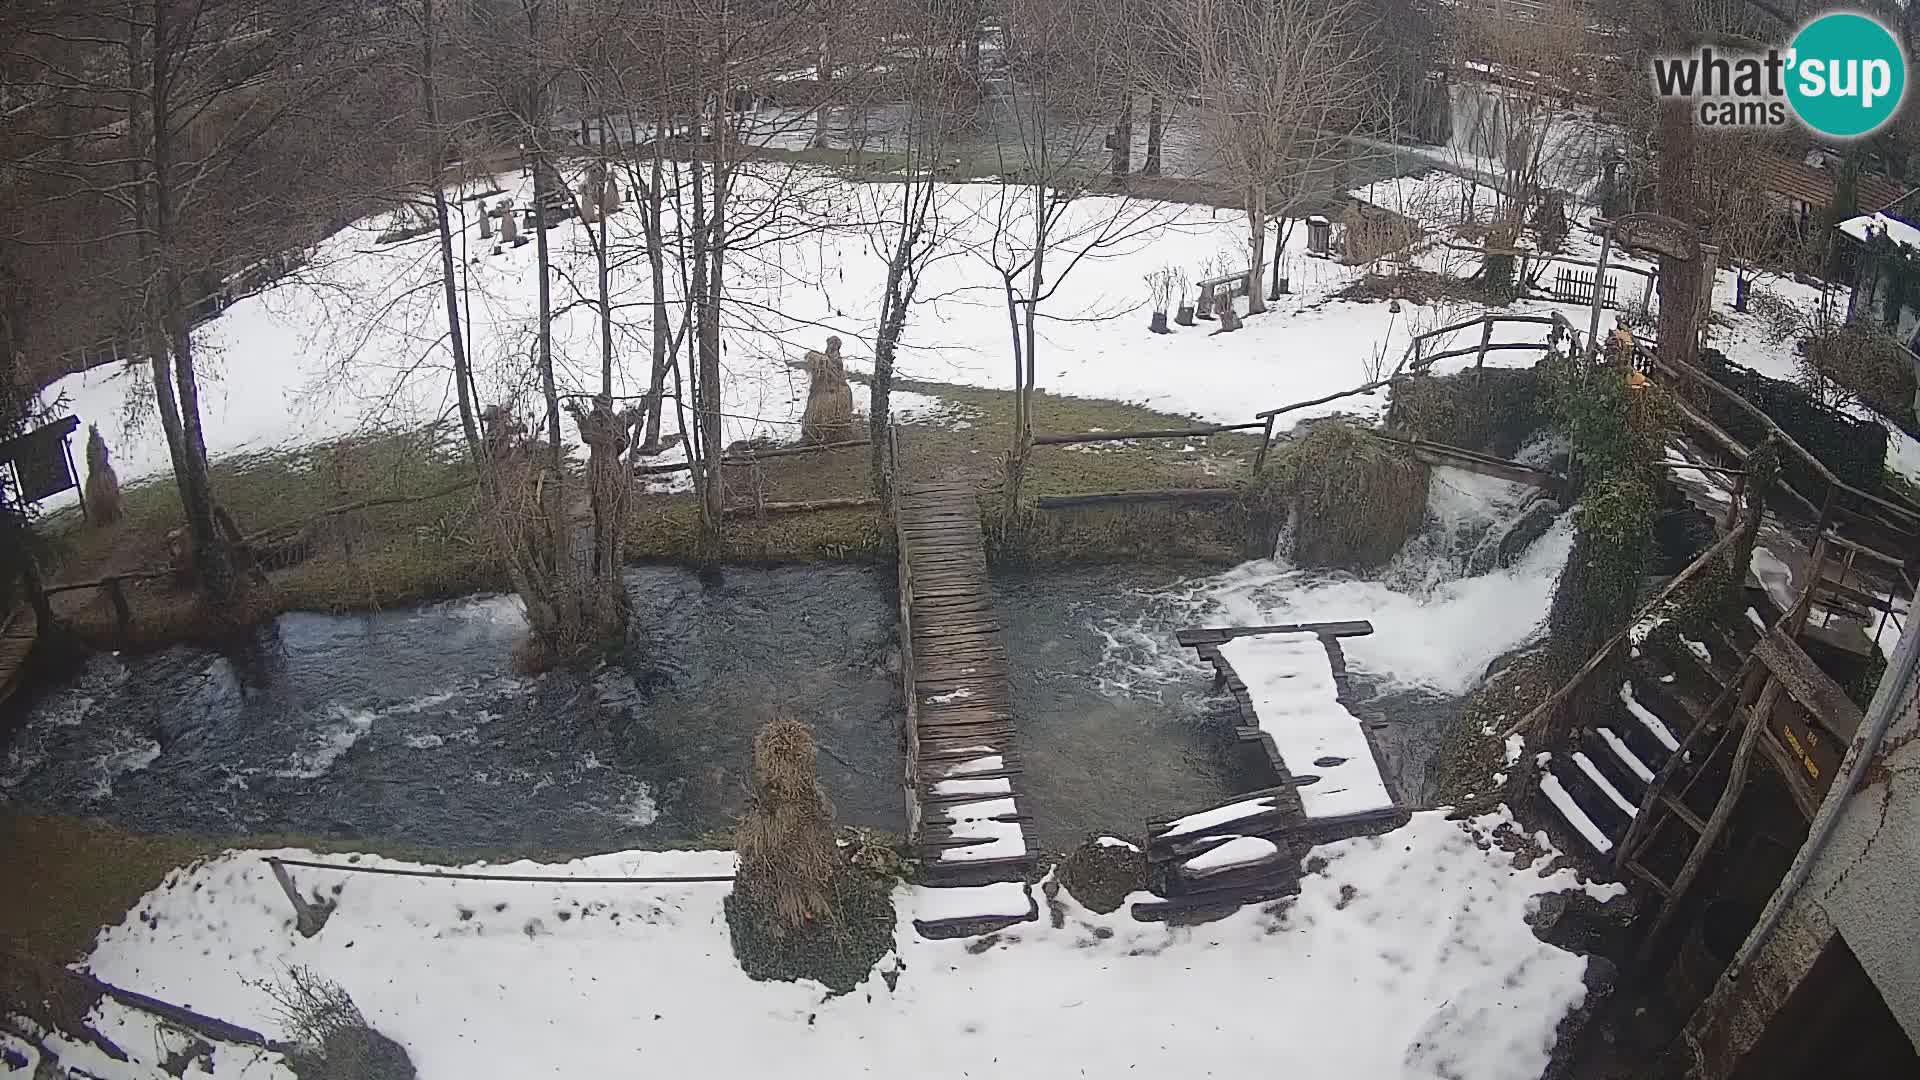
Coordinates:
(1248, 850)
(962, 773)
(16, 641)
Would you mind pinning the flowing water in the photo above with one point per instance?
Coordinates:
(410, 726)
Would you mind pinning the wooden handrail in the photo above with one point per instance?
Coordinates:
(1539, 320)
(103, 582)
(1593, 662)
(1688, 371)
(1365, 388)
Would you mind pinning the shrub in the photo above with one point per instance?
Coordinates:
(1868, 364)
(332, 1041)
(1493, 410)
(1353, 499)
(1855, 450)
(1598, 590)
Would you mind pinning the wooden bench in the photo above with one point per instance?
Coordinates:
(1223, 288)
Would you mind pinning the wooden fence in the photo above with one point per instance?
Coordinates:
(1576, 287)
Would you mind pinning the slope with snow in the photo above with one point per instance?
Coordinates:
(1407, 956)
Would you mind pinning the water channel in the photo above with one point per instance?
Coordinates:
(410, 727)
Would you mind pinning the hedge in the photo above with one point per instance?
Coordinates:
(1856, 450)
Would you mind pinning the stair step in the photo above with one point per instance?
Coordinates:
(1602, 811)
(1623, 778)
(1571, 813)
(1605, 785)
(1655, 726)
(1625, 755)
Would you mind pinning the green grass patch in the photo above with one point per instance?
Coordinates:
(416, 551)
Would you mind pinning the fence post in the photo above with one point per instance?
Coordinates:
(122, 614)
(1266, 440)
(308, 917)
(1486, 339)
(1599, 275)
(1733, 505)
(1826, 509)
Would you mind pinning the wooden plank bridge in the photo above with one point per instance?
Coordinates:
(1248, 850)
(16, 642)
(962, 771)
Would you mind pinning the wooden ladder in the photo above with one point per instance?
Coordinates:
(1775, 667)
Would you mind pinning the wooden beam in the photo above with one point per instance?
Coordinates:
(1213, 635)
(1755, 721)
(1364, 388)
(1808, 685)
(1099, 498)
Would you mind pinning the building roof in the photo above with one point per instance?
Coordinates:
(1898, 231)
(1814, 186)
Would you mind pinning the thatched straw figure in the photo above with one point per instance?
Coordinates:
(785, 839)
(829, 414)
(103, 487)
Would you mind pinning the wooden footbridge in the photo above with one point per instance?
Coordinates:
(17, 636)
(962, 772)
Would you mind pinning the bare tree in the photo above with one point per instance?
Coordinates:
(1280, 86)
(1043, 227)
(909, 227)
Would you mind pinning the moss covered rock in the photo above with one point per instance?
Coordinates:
(1102, 876)
(837, 950)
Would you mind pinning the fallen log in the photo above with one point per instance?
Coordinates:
(852, 502)
(1107, 498)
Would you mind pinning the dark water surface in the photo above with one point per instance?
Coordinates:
(410, 726)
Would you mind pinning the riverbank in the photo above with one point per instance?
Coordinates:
(397, 548)
(1354, 976)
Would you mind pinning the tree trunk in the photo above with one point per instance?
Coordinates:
(600, 265)
(893, 319)
(1156, 130)
(707, 341)
(1122, 157)
(185, 439)
(1256, 248)
(662, 338)
(820, 77)
(456, 340)
(1679, 332)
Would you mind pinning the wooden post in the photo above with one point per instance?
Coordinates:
(1486, 339)
(1816, 566)
(308, 917)
(1733, 505)
(1266, 440)
(1599, 275)
(122, 614)
(1826, 509)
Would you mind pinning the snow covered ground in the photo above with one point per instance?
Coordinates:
(356, 339)
(1407, 956)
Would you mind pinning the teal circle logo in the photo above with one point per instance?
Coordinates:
(1846, 76)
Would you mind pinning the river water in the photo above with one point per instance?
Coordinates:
(410, 726)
